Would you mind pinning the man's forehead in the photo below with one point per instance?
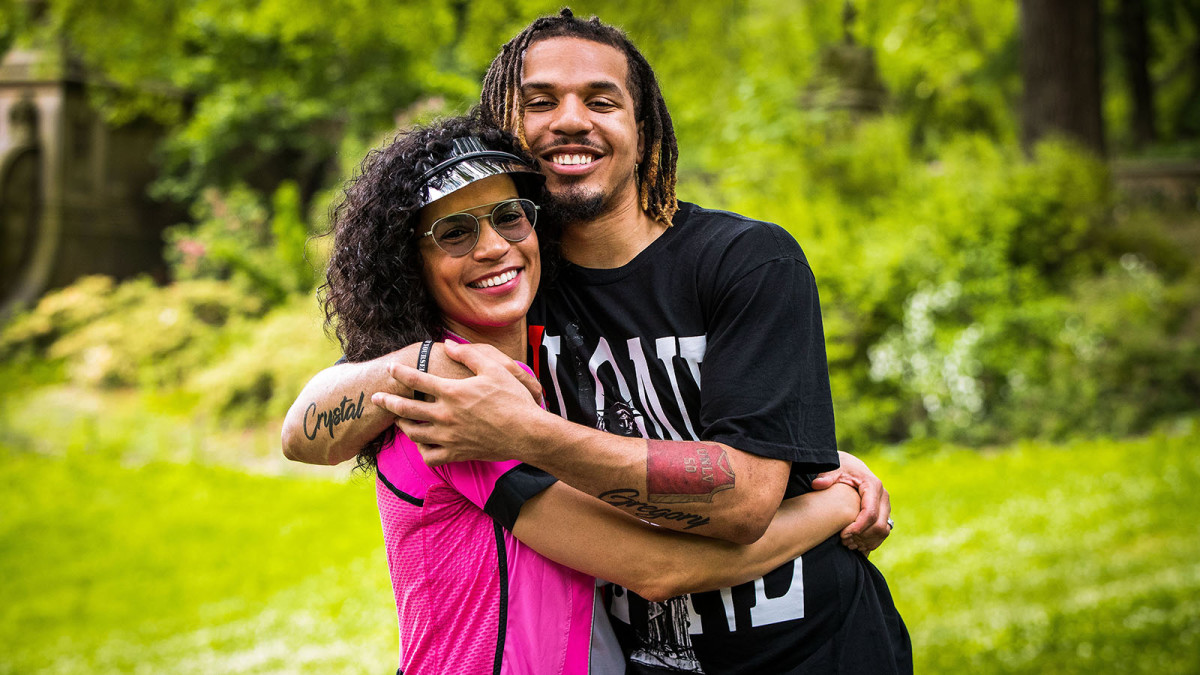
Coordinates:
(575, 62)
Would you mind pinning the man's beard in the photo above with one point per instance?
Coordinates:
(573, 205)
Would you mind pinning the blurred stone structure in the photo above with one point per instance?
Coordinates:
(72, 188)
(846, 77)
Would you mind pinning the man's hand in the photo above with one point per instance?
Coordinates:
(871, 527)
(472, 419)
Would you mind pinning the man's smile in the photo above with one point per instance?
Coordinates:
(563, 159)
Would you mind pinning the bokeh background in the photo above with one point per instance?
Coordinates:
(1000, 200)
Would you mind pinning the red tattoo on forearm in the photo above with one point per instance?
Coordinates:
(686, 472)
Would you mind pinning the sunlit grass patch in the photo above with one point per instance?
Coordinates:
(1082, 558)
(169, 567)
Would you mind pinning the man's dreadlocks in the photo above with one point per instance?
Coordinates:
(501, 103)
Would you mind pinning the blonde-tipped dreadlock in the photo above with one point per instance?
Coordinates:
(501, 103)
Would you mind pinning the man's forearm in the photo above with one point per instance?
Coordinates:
(333, 418)
(693, 486)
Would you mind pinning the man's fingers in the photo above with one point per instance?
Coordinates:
(481, 359)
(476, 357)
(528, 381)
(416, 380)
(825, 480)
(873, 535)
(402, 407)
(417, 432)
(434, 455)
(868, 514)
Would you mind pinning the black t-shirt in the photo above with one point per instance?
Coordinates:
(713, 332)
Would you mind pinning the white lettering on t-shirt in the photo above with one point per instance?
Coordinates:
(645, 390)
(787, 607)
(651, 402)
(691, 350)
(601, 356)
(665, 347)
(553, 343)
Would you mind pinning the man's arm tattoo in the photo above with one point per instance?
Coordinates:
(346, 410)
(627, 498)
(686, 472)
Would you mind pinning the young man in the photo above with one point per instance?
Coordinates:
(693, 337)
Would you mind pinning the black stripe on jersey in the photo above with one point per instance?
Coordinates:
(415, 501)
(517, 486)
(502, 558)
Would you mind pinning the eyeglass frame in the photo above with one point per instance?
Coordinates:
(491, 223)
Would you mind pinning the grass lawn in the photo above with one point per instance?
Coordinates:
(1083, 558)
(187, 568)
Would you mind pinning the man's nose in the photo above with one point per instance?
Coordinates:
(571, 117)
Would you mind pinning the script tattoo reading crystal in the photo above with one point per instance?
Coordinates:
(686, 472)
(345, 411)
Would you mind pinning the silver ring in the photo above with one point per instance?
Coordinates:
(891, 524)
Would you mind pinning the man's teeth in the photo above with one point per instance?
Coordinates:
(572, 159)
(496, 280)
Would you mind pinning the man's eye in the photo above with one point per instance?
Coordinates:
(538, 104)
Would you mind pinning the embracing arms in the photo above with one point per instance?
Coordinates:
(578, 531)
(333, 417)
(309, 436)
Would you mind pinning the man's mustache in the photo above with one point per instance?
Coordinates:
(560, 142)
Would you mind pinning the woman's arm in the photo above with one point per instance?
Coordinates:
(581, 532)
(333, 417)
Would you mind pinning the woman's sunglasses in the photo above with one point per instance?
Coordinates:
(457, 233)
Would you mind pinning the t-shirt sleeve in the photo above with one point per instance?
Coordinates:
(765, 375)
(499, 488)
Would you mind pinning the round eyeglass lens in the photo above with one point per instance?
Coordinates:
(457, 234)
(514, 219)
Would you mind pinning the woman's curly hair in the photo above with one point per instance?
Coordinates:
(374, 296)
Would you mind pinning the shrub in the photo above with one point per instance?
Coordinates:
(134, 333)
(260, 376)
(237, 238)
(974, 294)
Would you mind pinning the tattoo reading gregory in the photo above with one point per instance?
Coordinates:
(686, 472)
(628, 498)
(347, 410)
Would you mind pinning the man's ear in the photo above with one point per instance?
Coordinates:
(641, 140)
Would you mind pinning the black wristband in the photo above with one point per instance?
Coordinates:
(423, 365)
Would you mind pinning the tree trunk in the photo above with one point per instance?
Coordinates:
(1135, 51)
(1060, 68)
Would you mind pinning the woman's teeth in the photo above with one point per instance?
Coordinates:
(495, 281)
(572, 159)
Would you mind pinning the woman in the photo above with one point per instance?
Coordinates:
(479, 589)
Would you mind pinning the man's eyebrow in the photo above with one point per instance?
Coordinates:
(604, 86)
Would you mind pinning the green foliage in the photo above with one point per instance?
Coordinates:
(203, 339)
(236, 238)
(132, 333)
(962, 288)
(262, 92)
(258, 377)
(970, 293)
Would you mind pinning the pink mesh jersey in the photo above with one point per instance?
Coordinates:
(471, 598)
